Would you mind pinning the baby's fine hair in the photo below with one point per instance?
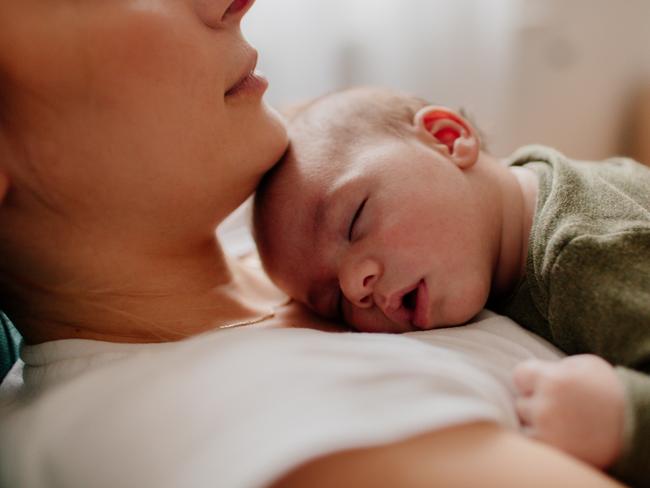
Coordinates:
(336, 123)
(347, 115)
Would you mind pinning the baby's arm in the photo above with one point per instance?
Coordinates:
(576, 404)
(584, 406)
(633, 465)
(599, 301)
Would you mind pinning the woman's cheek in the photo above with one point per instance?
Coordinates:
(153, 45)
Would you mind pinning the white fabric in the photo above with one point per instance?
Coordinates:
(239, 408)
(235, 232)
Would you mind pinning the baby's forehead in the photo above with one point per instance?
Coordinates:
(292, 208)
(313, 170)
(287, 232)
(292, 197)
(309, 173)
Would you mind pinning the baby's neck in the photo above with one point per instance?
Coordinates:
(529, 184)
(519, 202)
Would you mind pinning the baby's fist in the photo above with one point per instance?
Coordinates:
(575, 404)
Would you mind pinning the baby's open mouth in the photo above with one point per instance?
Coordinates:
(410, 299)
(410, 306)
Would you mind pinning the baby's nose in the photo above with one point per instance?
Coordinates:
(358, 280)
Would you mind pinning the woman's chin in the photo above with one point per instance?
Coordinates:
(278, 137)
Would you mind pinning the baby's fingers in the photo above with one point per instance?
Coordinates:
(526, 375)
(524, 407)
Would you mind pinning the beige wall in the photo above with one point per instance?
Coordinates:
(555, 72)
(640, 126)
(576, 66)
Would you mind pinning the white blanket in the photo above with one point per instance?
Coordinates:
(239, 408)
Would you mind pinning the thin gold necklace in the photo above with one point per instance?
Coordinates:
(269, 315)
(254, 321)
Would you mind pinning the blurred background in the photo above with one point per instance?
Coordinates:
(572, 74)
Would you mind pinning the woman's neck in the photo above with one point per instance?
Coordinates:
(161, 298)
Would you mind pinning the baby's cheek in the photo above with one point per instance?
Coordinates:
(401, 235)
(460, 306)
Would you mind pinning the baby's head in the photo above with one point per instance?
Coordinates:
(377, 213)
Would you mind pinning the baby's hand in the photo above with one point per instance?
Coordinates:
(575, 404)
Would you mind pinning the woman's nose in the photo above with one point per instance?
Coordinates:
(357, 280)
(237, 9)
(215, 13)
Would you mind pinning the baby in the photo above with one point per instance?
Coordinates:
(387, 213)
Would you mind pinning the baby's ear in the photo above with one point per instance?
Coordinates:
(450, 133)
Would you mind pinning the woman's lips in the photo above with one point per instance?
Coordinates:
(250, 81)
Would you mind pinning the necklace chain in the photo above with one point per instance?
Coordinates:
(242, 323)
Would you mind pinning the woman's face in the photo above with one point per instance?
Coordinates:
(126, 109)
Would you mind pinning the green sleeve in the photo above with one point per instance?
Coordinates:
(633, 466)
(599, 303)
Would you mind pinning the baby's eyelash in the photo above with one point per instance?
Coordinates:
(355, 218)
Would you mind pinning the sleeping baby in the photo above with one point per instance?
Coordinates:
(387, 213)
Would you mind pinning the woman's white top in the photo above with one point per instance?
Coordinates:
(241, 407)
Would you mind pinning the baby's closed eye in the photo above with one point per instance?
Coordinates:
(355, 219)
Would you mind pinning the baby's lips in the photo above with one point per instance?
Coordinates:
(394, 307)
(421, 312)
(401, 316)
